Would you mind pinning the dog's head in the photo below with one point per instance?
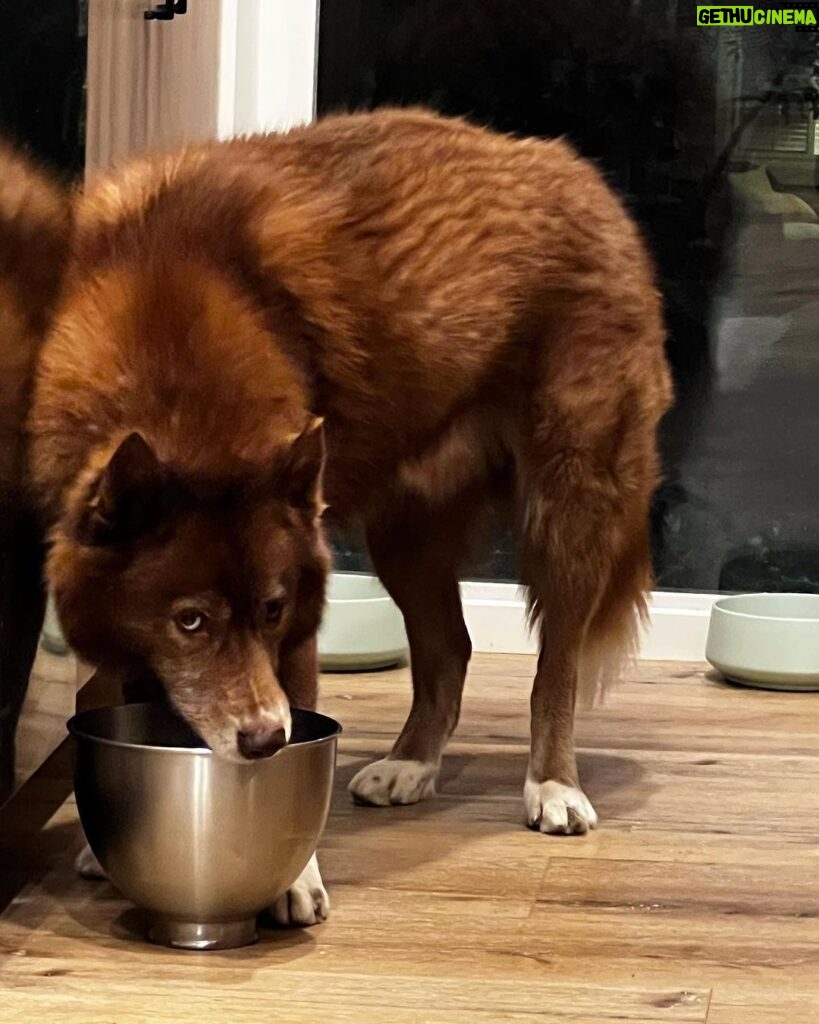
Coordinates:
(211, 585)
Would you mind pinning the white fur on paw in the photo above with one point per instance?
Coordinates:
(558, 809)
(394, 782)
(87, 866)
(305, 903)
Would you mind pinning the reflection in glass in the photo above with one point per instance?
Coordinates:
(710, 134)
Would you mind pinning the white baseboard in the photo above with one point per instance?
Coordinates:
(495, 615)
(678, 622)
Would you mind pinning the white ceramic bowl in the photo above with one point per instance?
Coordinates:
(52, 638)
(362, 627)
(766, 640)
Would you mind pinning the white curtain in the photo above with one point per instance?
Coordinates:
(152, 85)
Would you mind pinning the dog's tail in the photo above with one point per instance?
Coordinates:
(612, 639)
(35, 225)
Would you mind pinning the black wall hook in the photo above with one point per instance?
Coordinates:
(167, 11)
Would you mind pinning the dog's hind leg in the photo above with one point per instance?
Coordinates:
(417, 554)
(567, 561)
(587, 469)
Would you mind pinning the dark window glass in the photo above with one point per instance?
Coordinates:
(42, 79)
(42, 87)
(710, 133)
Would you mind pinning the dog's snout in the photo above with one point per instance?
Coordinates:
(262, 742)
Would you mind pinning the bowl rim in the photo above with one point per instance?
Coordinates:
(369, 576)
(720, 606)
(74, 727)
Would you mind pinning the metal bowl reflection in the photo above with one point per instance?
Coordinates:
(201, 843)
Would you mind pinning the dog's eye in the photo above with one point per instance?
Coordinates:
(191, 620)
(273, 610)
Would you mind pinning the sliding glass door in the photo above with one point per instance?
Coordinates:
(709, 132)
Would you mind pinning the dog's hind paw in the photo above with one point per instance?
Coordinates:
(394, 782)
(557, 809)
(87, 866)
(305, 903)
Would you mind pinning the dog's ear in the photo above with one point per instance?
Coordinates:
(301, 475)
(124, 501)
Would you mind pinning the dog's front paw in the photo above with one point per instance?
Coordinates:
(305, 903)
(554, 808)
(394, 782)
(87, 866)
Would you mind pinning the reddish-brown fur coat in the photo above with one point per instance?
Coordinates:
(449, 300)
(410, 269)
(34, 229)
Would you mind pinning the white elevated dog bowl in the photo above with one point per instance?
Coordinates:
(51, 638)
(766, 640)
(362, 627)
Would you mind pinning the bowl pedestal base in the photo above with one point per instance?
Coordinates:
(197, 935)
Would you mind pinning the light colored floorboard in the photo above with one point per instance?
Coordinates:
(696, 900)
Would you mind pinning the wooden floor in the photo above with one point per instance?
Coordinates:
(696, 900)
(50, 699)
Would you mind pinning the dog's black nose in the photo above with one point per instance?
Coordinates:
(262, 742)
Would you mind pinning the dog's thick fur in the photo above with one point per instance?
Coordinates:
(34, 233)
(459, 308)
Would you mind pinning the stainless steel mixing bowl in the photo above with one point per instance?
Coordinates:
(202, 844)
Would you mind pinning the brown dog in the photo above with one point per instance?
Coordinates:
(438, 306)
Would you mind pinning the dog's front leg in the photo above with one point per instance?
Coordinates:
(417, 558)
(306, 902)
